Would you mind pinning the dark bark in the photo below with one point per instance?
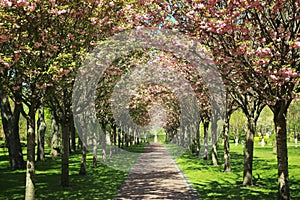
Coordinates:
(251, 107)
(280, 113)
(30, 166)
(103, 142)
(73, 135)
(41, 134)
(127, 139)
(119, 138)
(248, 153)
(205, 134)
(227, 166)
(65, 152)
(198, 143)
(10, 123)
(114, 135)
(231, 106)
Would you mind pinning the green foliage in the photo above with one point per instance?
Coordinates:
(238, 124)
(293, 119)
(265, 122)
(258, 139)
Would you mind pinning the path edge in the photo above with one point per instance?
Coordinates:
(192, 191)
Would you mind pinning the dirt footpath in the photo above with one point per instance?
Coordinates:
(156, 175)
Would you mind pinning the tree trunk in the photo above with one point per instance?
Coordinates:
(227, 167)
(248, 153)
(198, 143)
(119, 138)
(79, 145)
(82, 170)
(10, 123)
(126, 139)
(103, 142)
(95, 149)
(30, 168)
(73, 135)
(282, 151)
(41, 135)
(205, 133)
(65, 152)
(55, 143)
(214, 136)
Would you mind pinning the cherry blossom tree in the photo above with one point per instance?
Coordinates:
(41, 43)
(260, 41)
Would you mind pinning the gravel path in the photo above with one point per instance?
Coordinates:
(156, 175)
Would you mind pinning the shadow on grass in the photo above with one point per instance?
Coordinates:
(212, 183)
(99, 183)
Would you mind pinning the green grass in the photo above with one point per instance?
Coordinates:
(99, 183)
(212, 183)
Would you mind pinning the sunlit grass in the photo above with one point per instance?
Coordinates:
(99, 183)
(212, 183)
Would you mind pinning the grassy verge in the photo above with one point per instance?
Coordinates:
(212, 183)
(99, 183)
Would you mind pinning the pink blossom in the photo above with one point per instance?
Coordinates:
(22, 3)
(32, 7)
(199, 6)
(297, 44)
(277, 54)
(273, 77)
(6, 3)
(54, 48)
(94, 20)
(266, 50)
(70, 35)
(37, 44)
(52, 2)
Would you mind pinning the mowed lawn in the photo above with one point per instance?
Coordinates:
(99, 183)
(212, 183)
(103, 182)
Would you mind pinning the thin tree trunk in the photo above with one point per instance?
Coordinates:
(103, 142)
(65, 152)
(114, 133)
(198, 143)
(55, 144)
(82, 170)
(126, 139)
(41, 134)
(205, 133)
(282, 151)
(30, 167)
(10, 123)
(227, 166)
(214, 134)
(119, 138)
(79, 145)
(95, 149)
(72, 135)
(248, 153)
